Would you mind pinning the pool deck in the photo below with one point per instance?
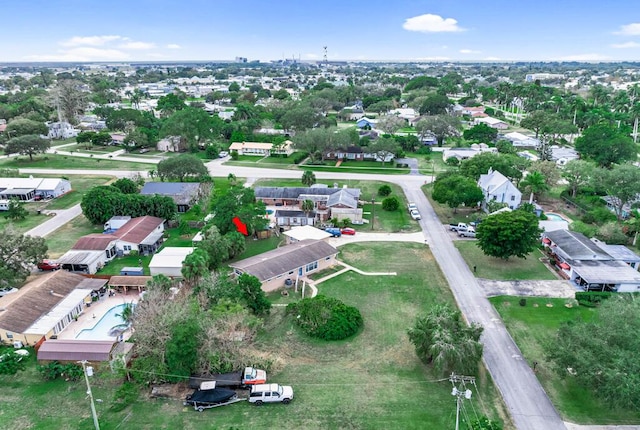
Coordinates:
(86, 319)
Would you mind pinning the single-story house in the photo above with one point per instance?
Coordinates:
(169, 261)
(291, 262)
(591, 264)
(45, 306)
(466, 153)
(343, 205)
(492, 122)
(305, 232)
(117, 139)
(128, 282)
(520, 140)
(90, 253)
(366, 123)
(563, 154)
(262, 149)
(171, 144)
(184, 194)
(497, 187)
(26, 189)
(142, 234)
(74, 350)
(354, 153)
(404, 113)
(61, 130)
(288, 218)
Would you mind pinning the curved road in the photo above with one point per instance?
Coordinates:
(528, 404)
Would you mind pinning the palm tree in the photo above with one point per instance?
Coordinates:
(307, 207)
(308, 178)
(535, 183)
(127, 313)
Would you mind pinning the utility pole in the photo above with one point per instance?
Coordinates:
(373, 210)
(460, 393)
(88, 371)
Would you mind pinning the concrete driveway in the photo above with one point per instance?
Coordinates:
(553, 289)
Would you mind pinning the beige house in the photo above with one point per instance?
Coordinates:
(44, 307)
(262, 149)
(290, 262)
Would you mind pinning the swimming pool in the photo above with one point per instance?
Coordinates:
(554, 217)
(101, 330)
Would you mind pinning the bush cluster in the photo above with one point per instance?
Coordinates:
(326, 318)
(391, 204)
(298, 157)
(592, 299)
(56, 370)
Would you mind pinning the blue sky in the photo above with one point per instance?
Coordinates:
(464, 30)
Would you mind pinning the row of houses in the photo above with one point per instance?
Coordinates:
(29, 189)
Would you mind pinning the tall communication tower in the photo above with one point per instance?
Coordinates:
(324, 57)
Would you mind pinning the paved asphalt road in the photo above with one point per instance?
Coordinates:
(60, 218)
(526, 401)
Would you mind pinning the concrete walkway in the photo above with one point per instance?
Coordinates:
(553, 289)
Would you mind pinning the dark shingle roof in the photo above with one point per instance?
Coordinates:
(285, 259)
(577, 246)
(180, 192)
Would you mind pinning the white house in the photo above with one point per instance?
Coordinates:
(497, 187)
(404, 113)
(61, 130)
(169, 261)
(521, 140)
(262, 149)
(492, 122)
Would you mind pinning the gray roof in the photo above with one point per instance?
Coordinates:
(577, 246)
(618, 252)
(294, 213)
(285, 259)
(605, 272)
(295, 192)
(343, 197)
(75, 350)
(181, 192)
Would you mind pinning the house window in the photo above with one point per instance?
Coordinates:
(312, 266)
(513, 198)
(328, 258)
(127, 247)
(9, 335)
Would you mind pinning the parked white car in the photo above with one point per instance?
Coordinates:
(270, 393)
(415, 214)
(412, 206)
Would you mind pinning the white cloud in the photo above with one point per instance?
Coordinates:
(629, 29)
(492, 59)
(85, 53)
(173, 46)
(432, 59)
(469, 51)
(137, 45)
(91, 40)
(429, 23)
(626, 45)
(584, 57)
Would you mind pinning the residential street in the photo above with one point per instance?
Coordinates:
(60, 218)
(527, 402)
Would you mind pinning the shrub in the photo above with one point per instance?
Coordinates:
(391, 204)
(297, 157)
(523, 302)
(424, 150)
(125, 395)
(384, 190)
(452, 161)
(56, 370)
(592, 298)
(326, 318)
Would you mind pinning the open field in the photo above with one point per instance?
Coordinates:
(20, 226)
(66, 163)
(91, 149)
(371, 381)
(64, 238)
(513, 269)
(531, 327)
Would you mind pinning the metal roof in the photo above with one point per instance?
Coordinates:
(75, 350)
(296, 192)
(605, 272)
(576, 246)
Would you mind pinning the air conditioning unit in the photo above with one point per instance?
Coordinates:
(17, 344)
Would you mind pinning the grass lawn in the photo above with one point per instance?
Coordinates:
(64, 238)
(279, 160)
(514, 269)
(174, 237)
(430, 163)
(359, 168)
(80, 186)
(446, 214)
(64, 162)
(373, 380)
(32, 220)
(81, 147)
(115, 265)
(258, 246)
(531, 327)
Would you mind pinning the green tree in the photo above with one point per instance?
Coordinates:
(136, 138)
(238, 202)
(102, 138)
(455, 190)
(308, 178)
(195, 266)
(391, 204)
(29, 144)
(505, 147)
(509, 234)
(182, 348)
(509, 165)
(170, 103)
(534, 183)
(252, 294)
(16, 210)
(481, 133)
(126, 186)
(24, 127)
(440, 126)
(435, 104)
(384, 190)
(319, 141)
(11, 362)
(606, 145)
(601, 352)
(307, 207)
(182, 167)
(389, 124)
(70, 99)
(577, 173)
(383, 149)
(537, 121)
(621, 184)
(18, 255)
(443, 339)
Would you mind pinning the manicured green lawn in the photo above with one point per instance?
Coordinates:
(513, 269)
(80, 186)
(32, 220)
(279, 160)
(534, 325)
(118, 263)
(446, 214)
(66, 163)
(81, 147)
(373, 380)
(63, 239)
(357, 168)
(258, 246)
(175, 237)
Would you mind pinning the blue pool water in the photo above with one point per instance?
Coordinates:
(554, 217)
(101, 330)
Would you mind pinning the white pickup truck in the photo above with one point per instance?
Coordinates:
(469, 232)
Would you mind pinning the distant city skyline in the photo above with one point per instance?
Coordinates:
(411, 30)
